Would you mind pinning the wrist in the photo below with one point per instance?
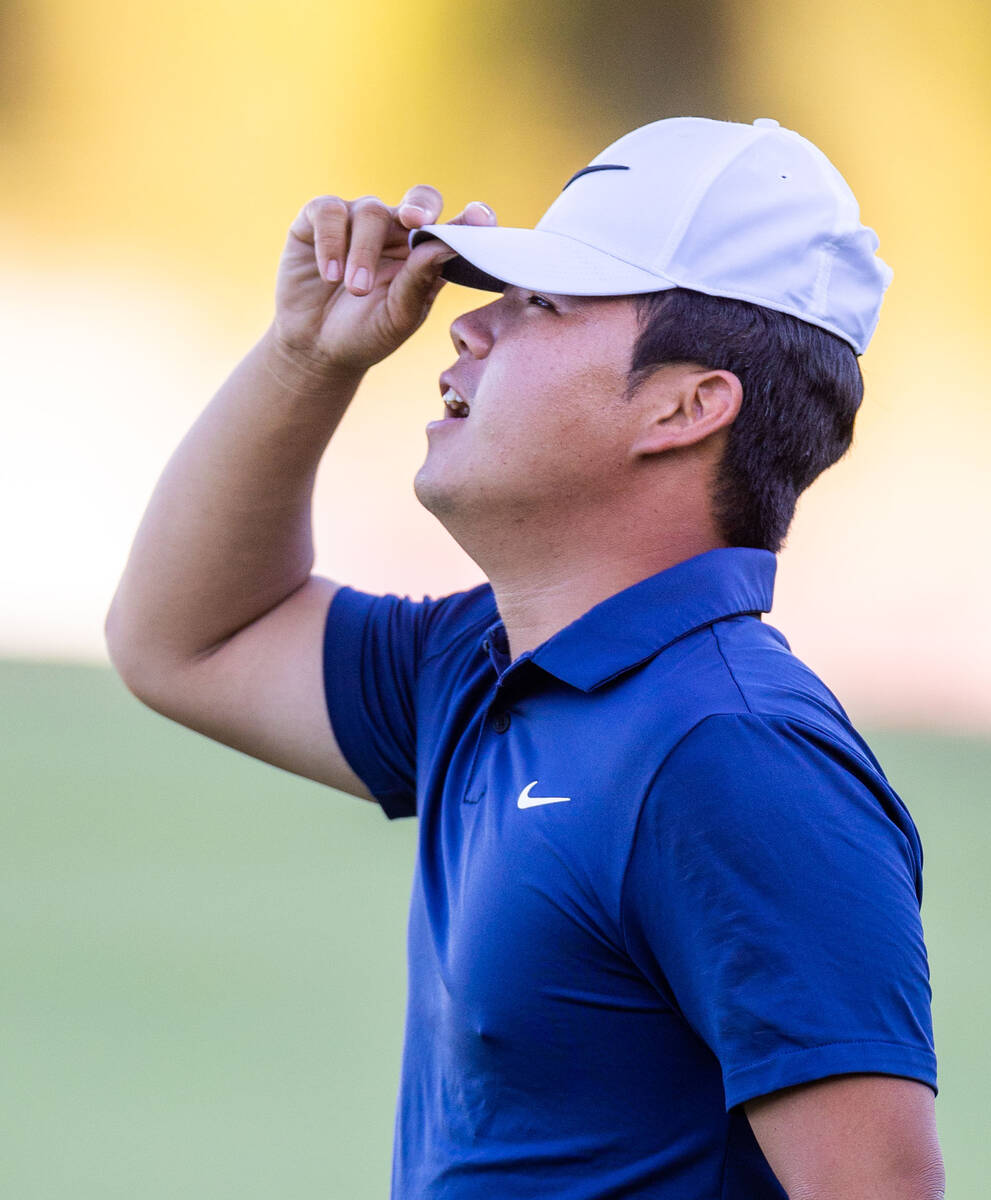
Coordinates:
(305, 372)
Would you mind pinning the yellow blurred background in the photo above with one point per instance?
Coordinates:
(155, 154)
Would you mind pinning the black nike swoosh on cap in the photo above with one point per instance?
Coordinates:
(587, 170)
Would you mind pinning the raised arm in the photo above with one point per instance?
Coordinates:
(217, 620)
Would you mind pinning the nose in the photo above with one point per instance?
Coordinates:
(472, 332)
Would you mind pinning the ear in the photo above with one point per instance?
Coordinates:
(685, 406)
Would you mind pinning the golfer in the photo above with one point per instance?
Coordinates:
(664, 934)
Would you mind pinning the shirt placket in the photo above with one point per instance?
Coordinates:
(496, 718)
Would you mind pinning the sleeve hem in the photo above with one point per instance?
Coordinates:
(342, 642)
(834, 1058)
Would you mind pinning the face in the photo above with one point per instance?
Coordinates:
(548, 427)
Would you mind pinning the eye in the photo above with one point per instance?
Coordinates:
(543, 301)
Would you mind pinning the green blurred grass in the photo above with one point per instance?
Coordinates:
(203, 975)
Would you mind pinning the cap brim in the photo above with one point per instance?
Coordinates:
(492, 256)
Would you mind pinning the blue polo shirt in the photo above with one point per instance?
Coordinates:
(658, 873)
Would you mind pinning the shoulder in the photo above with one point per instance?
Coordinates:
(740, 748)
(772, 679)
(775, 777)
(743, 666)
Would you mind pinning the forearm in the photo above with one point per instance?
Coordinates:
(227, 531)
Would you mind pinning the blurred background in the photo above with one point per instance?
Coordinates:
(204, 978)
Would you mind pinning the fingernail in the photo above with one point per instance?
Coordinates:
(482, 204)
(362, 279)
(333, 271)
(414, 208)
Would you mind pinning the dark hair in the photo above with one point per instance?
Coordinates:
(802, 387)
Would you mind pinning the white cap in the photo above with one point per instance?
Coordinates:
(753, 212)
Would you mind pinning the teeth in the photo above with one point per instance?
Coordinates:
(457, 406)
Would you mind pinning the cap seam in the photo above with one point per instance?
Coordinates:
(820, 286)
(827, 173)
(677, 233)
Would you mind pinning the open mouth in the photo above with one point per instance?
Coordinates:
(454, 405)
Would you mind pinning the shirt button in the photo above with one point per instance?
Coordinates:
(486, 645)
(500, 722)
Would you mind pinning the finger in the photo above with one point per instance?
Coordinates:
(371, 220)
(324, 222)
(475, 213)
(413, 214)
(417, 284)
(421, 205)
(434, 292)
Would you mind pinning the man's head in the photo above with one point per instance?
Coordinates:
(557, 450)
(714, 288)
(709, 412)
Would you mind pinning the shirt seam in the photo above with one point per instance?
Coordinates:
(736, 681)
(847, 747)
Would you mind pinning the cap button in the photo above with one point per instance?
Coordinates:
(767, 123)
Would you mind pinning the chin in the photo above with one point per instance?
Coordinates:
(436, 498)
(460, 506)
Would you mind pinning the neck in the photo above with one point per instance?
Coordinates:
(534, 605)
(544, 577)
(549, 566)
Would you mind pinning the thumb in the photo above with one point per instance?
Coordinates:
(418, 282)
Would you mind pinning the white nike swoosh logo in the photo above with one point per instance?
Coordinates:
(525, 800)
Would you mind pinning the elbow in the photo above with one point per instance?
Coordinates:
(113, 638)
(110, 630)
(141, 671)
(924, 1181)
(119, 645)
(925, 1177)
(931, 1183)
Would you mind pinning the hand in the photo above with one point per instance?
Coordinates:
(344, 324)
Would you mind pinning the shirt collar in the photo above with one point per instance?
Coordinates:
(626, 629)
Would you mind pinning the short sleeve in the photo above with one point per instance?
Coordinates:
(371, 648)
(773, 896)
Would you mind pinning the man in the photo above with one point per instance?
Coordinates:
(664, 935)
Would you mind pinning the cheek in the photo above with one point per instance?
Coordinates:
(558, 450)
(555, 408)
